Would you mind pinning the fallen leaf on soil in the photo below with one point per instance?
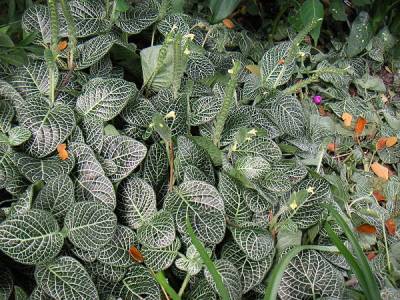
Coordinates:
(360, 125)
(62, 152)
(378, 196)
(136, 255)
(391, 141)
(331, 147)
(381, 143)
(228, 24)
(371, 255)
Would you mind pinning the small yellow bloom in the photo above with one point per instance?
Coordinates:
(187, 51)
(293, 205)
(170, 115)
(311, 190)
(252, 132)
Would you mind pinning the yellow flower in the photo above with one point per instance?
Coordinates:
(293, 205)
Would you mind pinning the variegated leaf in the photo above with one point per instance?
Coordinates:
(104, 98)
(155, 165)
(158, 231)
(159, 259)
(116, 251)
(229, 275)
(66, 278)
(90, 225)
(137, 202)
(32, 237)
(310, 275)
(138, 18)
(199, 67)
(56, 196)
(203, 205)
(18, 135)
(125, 152)
(202, 290)
(93, 132)
(6, 283)
(107, 272)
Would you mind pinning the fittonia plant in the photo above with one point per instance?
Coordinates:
(220, 131)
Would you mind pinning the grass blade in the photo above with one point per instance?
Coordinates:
(222, 291)
(371, 289)
(164, 283)
(274, 279)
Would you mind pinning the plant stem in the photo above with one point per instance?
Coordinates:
(170, 149)
(386, 246)
(184, 284)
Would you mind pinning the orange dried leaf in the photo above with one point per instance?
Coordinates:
(378, 196)
(136, 255)
(281, 61)
(381, 143)
(331, 147)
(380, 171)
(391, 141)
(366, 228)
(62, 45)
(347, 118)
(371, 255)
(390, 226)
(62, 152)
(228, 23)
(360, 125)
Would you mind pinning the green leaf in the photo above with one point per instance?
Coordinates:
(18, 135)
(213, 151)
(6, 41)
(155, 165)
(56, 196)
(192, 263)
(49, 125)
(251, 272)
(90, 225)
(274, 74)
(32, 237)
(221, 9)
(159, 259)
(104, 98)
(65, 278)
(93, 132)
(212, 270)
(125, 152)
(161, 127)
(37, 18)
(309, 11)
(116, 251)
(139, 282)
(201, 203)
(121, 5)
(275, 277)
(137, 202)
(252, 167)
(164, 283)
(229, 275)
(91, 184)
(19, 293)
(360, 35)
(158, 231)
(360, 265)
(6, 283)
(106, 272)
(138, 18)
(202, 290)
(6, 115)
(259, 146)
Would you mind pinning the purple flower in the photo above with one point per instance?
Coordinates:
(317, 99)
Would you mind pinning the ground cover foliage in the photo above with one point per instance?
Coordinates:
(199, 150)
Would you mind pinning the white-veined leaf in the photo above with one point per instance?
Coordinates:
(6, 283)
(234, 199)
(138, 18)
(199, 66)
(137, 202)
(202, 290)
(42, 169)
(18, 135)
(287, 113)
(158, 259)
(91, 184)
(192, 263)
(107, 272)
(10, 177)
(49, 125)
(204, 109)
(155, 165)
(176, 21)
(310, 275)
(92, 50)
(125, 152)
(229, 275)
(104, 98)
(251, 272)
(252, 167)
(93, 132)
(274, 74)
(31, 238)
(258, 203)
(194, 173)
(6, 114)
(139, 283)
(276, 181)
(39, 294)
(56, 196)
(158, 231)
(85, 255)
(203, 205)
(259, 146)
(32, 79)
(66, 278)
(89, 17)
(37, 18)
(24, 202)
(90, 225)
(116, 251)
(254, 241)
